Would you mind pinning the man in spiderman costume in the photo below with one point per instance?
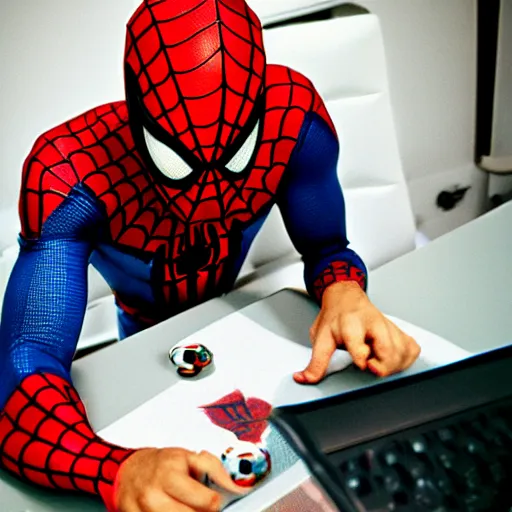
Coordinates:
(164, 194)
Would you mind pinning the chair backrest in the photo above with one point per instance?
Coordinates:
(345, 59)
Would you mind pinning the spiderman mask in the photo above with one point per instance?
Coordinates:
(194, 85)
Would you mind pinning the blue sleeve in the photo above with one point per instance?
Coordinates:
(312, 204)
(46, 296)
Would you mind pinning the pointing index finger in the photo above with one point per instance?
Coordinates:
(323, 349)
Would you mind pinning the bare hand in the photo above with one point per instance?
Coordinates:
(348, 319)
(168, 480)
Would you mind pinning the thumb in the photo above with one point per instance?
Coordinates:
(323, 348)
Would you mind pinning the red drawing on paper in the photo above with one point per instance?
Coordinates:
(245, 417)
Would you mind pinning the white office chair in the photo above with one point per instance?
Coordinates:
(345, 59)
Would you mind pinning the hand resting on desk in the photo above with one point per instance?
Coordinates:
(348, 319)
(168, 480)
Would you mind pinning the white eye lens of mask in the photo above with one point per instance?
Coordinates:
(168, 162)
(242, 158)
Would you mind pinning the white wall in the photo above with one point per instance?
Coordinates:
(62, 57)
(431, 52)
(502, 119)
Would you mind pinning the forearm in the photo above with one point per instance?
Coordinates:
(313, 209)
(46, 439)
(342, 265)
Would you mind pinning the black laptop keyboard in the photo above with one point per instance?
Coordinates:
(462, 463)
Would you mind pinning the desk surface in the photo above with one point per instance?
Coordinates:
(459, 286)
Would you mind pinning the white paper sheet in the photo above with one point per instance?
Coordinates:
(247, 357)
(260, 364)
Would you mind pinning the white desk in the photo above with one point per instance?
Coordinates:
(459, 287)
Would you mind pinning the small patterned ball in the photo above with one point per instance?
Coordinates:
(246, 463)
(191, 359)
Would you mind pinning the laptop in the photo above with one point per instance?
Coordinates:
(440, 440)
